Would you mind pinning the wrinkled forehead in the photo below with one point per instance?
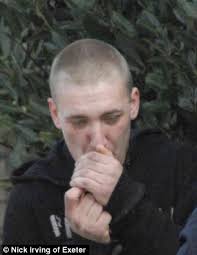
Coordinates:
(92, 99)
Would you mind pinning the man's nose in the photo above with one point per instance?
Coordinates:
(97, 136)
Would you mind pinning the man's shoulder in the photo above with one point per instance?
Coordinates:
(153, 158)
(149, 135)
(153, 149)
(157, 137)
(151, 141)
(55, 168)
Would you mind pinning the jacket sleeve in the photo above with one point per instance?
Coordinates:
(31, 217)
(144, 229)
(19, 222)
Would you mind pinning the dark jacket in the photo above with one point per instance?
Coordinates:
(188, 236)
(149, 206)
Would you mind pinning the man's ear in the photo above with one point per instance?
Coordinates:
(134, 103)
(54, 112)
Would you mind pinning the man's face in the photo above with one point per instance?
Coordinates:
(95, 114)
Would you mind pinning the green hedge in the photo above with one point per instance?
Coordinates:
(158, 38)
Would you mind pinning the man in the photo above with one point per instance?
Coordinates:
(118, 190)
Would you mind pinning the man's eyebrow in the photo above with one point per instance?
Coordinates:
(105, 114)
(112, 112)
(77, 116)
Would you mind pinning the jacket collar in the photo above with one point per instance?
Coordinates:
(57, 167)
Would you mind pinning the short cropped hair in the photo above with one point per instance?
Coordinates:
(88, 61)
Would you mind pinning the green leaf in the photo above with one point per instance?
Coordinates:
(17, 156)
(19, 54)
(6, 127)
(39, 108)
(179, 15)
(96, 28)
(47, 137)
(149, 22)
(156, 80)
(188, 7)
(156, 106)
(128, 47)
(4, 107)
(83, 5)
(57, 40)
(123, 24)
(192, 59)
(27, 133)
(5, 42)
(6, 84)
(40, 12)
(187, 99)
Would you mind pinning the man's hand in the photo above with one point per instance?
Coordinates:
(98, 173)
(86, 216)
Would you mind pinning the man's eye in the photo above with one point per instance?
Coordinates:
(112, 119)
(79, 123)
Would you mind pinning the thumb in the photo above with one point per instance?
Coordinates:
(103, 150)
(71, 199)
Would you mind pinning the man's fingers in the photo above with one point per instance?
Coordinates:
(104, 220)
(85, 183)
(103, 150)
(100, 178)
(95, 156)
(71, 199)
(86, 203)
(94, 212)
(86, 216)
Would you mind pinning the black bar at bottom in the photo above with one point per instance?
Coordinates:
(45, 249)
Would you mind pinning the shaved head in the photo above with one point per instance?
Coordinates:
(88, 61)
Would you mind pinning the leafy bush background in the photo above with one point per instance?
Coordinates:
(158, 38)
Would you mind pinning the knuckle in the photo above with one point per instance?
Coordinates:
(118, 170)
(92, 155)
(117, 163)
(82, 158)
(100, 208)
(102, 199)
(102, 192)
(84, 182)
(76, 222)
(84, 229)
(86, 173)
(82, 161)
(98, 230)
(91, 229)
(108, 217)
(68, 196)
